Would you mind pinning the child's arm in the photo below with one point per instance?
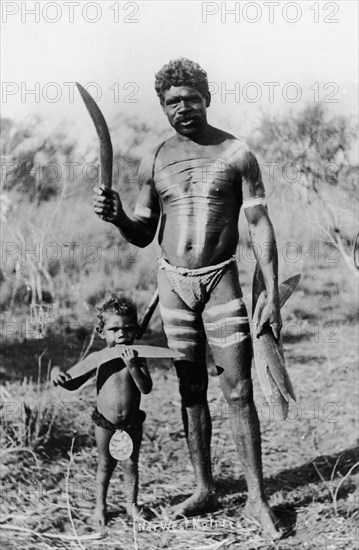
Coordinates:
(138, 370)
(76, 375)
(57, 377)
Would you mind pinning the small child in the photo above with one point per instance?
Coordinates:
(120, 383)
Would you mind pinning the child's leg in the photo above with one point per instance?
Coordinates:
(130, 471)
(105, 467)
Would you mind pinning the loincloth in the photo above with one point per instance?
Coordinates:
(222, 320)
(102, 422)
(194, 286)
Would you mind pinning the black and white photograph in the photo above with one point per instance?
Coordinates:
(179, 275)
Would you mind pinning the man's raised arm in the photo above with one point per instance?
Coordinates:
(139, 229)
(263, 238)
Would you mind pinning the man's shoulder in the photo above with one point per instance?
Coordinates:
(153, 152)
(148, 161)
(236, 151)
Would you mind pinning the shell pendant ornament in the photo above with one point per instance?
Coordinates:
(121, 445)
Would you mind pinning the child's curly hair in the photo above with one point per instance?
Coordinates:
(181, 72)
(116, 303)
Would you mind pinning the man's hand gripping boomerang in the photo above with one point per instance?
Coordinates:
(106, 155)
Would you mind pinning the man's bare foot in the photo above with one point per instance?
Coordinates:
(261, 513)
(98, 518)
(198, 503)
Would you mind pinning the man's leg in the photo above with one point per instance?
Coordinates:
(237, 388)
(184, 330)
(193, 382)
(226, 324)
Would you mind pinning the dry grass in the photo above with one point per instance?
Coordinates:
(310, 460)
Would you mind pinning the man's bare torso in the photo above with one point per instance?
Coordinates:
(199, 189)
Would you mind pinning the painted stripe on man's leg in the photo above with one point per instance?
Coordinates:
(190, 331)
(228, 340)
(225, 308)
(231, 320)
(177, 314)
(181, 344)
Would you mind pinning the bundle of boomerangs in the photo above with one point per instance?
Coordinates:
(268, 351)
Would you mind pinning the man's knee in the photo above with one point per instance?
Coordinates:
(193, 382)
(192, 393)
(239, 393)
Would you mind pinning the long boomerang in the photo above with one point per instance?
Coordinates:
(106, 165)
(106, 155)
(106, 150)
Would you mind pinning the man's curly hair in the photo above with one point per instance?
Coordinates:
(118, 304)
(181, 72)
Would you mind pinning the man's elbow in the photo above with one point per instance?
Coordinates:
(145, 240)
(147, 388)
(145, 234)
(141, 239)
(260, 222)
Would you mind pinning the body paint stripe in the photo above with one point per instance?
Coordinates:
(228, 340)
(181, 344)
(255, 201)
(228, 320)
(177, 314)
(225, 308)
(144, 212)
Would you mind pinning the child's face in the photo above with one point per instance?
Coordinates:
(118, 330)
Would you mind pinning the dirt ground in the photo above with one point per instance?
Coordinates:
(310, 460)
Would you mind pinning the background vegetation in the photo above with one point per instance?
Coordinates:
(56, 250)
(57, 253)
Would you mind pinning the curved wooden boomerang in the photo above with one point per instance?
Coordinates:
(91, 363)
(106, 153)
(106, 150)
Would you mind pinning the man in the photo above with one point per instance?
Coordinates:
(194, 184)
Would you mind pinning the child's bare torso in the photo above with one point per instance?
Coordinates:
(118, 398)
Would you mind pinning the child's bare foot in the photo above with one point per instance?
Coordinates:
(98, 518)
(198, 503)
(261, 513)
(133, 510)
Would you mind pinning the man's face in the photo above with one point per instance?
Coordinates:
(118, 330)
(185, 108)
